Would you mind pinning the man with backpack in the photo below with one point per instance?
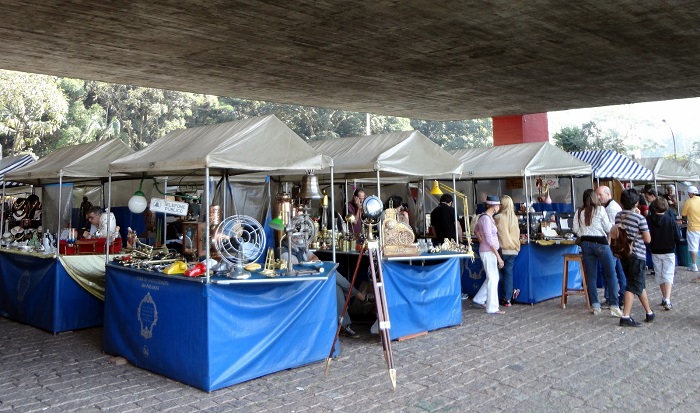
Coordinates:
(632, 225)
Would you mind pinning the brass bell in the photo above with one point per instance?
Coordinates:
(309, 187)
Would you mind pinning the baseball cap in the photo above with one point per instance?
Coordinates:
(693, 190)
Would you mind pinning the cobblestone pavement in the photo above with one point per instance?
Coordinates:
(538, 358)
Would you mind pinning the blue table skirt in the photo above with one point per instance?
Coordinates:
(538, 272)
(422, 298)
(211, 336)
(38, 291)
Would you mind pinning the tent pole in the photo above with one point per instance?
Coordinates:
(58, 223)
(2, 208)
(207, 220)
(573, 193)
(379, 225)
(527, 209)
(109, 211)
(165, 214)
(333, 212)
(454, 197)
(421, 210)
(346, 198)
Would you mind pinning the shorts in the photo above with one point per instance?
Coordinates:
(635, 271)
(693, 238)
(664, 267)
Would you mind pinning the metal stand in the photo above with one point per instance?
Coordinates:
(372, 247)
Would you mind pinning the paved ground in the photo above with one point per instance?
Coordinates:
(537, 358)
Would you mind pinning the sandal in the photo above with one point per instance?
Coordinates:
(498, 312)
(516, 293)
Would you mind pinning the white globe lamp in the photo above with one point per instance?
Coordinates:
(138, 202)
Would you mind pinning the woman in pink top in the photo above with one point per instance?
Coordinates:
(488, 251)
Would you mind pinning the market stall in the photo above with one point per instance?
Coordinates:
(421, 294)
(534, 170)
(236, 328)
(50, 291)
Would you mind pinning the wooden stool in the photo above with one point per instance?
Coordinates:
(565, 290)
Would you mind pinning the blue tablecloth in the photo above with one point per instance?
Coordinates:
(38, 291)
(538, 272)
(212, 336)
(422, 298)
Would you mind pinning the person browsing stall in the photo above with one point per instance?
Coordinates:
(612, 208)
(509, 239)
(487, 235)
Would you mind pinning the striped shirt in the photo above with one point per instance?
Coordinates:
(634, 224)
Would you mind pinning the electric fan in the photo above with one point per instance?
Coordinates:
(239, 239)
(303, 231)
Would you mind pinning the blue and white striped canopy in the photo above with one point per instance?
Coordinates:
(11, 163)
(610, 164)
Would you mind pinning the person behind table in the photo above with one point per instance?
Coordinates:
(612, 208)
(670, 196)
(486, 233)
(355, 209)
(635, 265)
(592, 225)
(98, 224)
(691, 210)
(665, 236)
(509, 239)
(402, 209)
(443, 221)
(343, 287)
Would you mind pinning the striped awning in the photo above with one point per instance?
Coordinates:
(11, 163)
(609, 164)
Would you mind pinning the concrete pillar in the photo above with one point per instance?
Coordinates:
(508, 130)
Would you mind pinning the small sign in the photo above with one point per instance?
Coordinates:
(514, 183)
(169, 207)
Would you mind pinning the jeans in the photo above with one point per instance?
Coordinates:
(505, 282)
(621, 282)
(592, 254)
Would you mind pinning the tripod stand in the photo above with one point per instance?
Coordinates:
(375, 258)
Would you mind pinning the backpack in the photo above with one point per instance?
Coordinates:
(620, 244)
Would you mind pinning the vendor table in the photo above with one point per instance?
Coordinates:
(537, 273)
(422, 293)
(37, 290)
(222, 333)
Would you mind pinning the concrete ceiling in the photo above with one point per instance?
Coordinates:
(424, 59)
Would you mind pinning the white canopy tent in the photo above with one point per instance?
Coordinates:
(520, 160)
(78, 163)
(260, 144)
(667, 169)
(391, 155)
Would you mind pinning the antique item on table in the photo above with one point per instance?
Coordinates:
(196, 270)
(178, 267)
(194, 240)
(398, 237)
(238, 239)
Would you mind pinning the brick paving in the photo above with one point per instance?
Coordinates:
(538, 358)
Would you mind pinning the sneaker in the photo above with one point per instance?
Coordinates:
(615, 312)
(667, 305)
(349, 332)
(465, 297)
(650, 317)
(629, 322)
(694, 268)
(596, 310)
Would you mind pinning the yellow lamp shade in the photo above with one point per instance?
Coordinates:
(436, 189)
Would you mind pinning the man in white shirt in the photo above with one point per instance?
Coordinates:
(612, 208)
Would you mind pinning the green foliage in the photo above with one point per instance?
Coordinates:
(589, 137)
(86, 111)
(31, 107)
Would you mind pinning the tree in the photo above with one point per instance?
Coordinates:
(571, 139)
(457, 134)
(589, 137)
(31, 107)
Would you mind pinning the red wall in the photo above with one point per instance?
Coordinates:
(508, 130)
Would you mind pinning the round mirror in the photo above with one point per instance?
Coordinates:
(373, 207)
